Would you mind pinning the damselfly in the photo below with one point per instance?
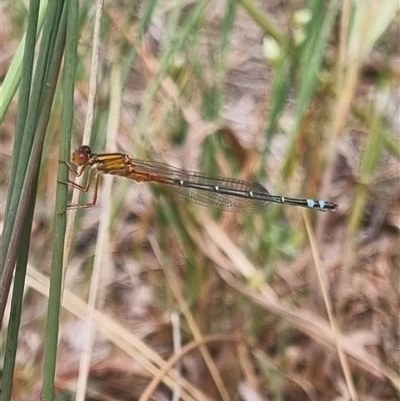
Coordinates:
(225, 193)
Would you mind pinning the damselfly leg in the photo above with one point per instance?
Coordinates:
(85, 187)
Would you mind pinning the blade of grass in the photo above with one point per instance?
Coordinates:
(280, 88)
(24, 213)
(102, 255)
(15, 71)
(369, 163)
(28, 193)
(15, 313)
(213, 97)
(312, 53)
(24, 146)
(174, 360)
(144, 22)
(121, 337)
(147, 15)
(262, 21)
(323, 280)
(19, 138)
(282, 79)
(364, 29)
(53, 312)
(173, 47)
(94, 72)
(370, 20)
(183, 306)
(311, 56)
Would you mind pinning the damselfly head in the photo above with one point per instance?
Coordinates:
(82, 155)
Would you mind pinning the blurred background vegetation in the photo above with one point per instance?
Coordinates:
(163, 298)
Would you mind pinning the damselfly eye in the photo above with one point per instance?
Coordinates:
(81, 156)
(85, 149)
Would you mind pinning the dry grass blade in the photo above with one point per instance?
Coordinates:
(323, 282)
(114, 332)
(192, 323)
(146, 395)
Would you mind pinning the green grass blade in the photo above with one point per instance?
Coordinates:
(29, 156)
(54, 304)
(313, 53)
(311, 57)
(18, 246)
(174, 46)
(279, 92)
(21, 119)
(15, 312)
(15, 71)
(60, 223)
(262, 21)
